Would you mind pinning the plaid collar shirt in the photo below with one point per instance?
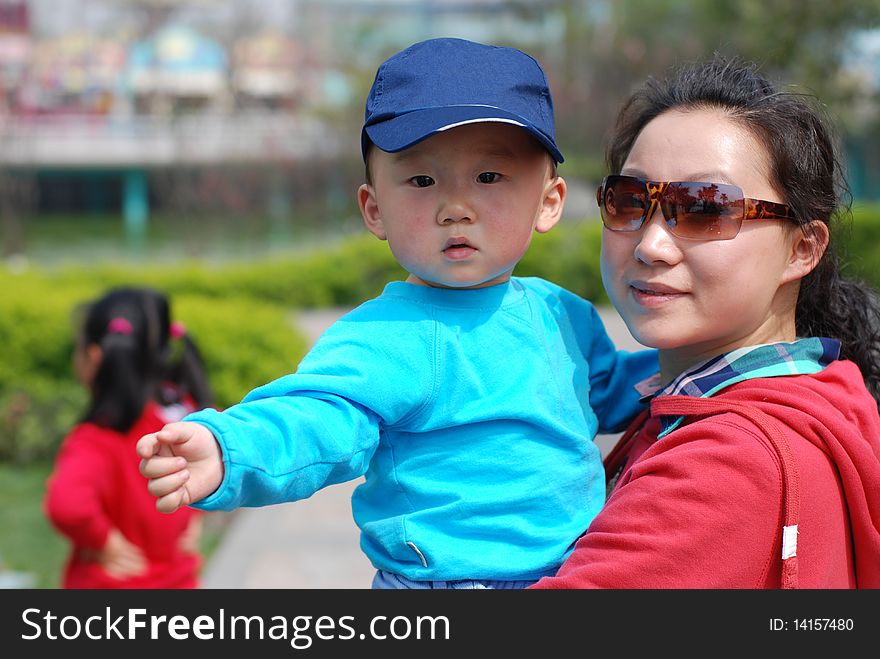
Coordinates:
(702, 380)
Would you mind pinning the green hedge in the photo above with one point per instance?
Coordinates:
(340, 275)
(245, 342)
(356, 269)
(861, 242)
(347, 273)
(240, 314)
(38, 395)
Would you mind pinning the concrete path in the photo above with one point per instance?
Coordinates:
(315, 543)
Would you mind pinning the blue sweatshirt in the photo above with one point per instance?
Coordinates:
(471, 413)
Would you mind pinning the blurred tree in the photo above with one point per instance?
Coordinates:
(18, 199)
(611, 47)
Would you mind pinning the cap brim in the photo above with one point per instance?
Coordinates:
(403, 131)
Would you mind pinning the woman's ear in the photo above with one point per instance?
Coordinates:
(551, 205)
(369, 206)
(808, 247)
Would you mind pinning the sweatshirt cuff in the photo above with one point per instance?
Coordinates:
(224, 497)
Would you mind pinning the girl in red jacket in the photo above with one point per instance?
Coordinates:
(141, 372)
(758, 465)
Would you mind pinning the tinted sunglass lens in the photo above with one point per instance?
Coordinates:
(624, 204)
(703, 211)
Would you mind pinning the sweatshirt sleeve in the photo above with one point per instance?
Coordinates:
(74, 490)
(613, 373)
(701, 508)
(321, 425)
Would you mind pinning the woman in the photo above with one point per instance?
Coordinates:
(139, 376)
(759, 463)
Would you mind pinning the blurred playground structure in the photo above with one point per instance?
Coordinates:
(129, 108)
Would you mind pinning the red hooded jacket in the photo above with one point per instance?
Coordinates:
(96, 486)
(705, 506)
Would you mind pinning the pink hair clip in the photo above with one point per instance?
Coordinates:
(177, 330)
(120, 326)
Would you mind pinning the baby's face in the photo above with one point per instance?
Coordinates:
(459, 209)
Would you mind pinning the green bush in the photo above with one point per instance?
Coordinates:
(240, 313)
(245, 342)
(569, 256)
(38, 395)
(344, 274)
(350, 272)
(861, 243)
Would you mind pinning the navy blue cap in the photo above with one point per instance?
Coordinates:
(439, 84)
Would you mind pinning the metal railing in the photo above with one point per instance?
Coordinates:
(147, 141)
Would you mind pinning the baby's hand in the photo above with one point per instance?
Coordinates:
(182, 462)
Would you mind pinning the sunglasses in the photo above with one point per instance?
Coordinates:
(692, 210)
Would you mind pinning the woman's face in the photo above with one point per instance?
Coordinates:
(696, 299)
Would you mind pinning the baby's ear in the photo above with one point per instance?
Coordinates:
(551, 205)
(369, 206)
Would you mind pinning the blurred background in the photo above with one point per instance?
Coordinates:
(210, 148)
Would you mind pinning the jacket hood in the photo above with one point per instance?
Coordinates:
(833, 410)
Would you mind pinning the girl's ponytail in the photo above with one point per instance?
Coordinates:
(119, 390)
(186, 376)
(121, 326)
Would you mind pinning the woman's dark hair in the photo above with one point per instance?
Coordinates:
(132, 327)
(805, 168)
